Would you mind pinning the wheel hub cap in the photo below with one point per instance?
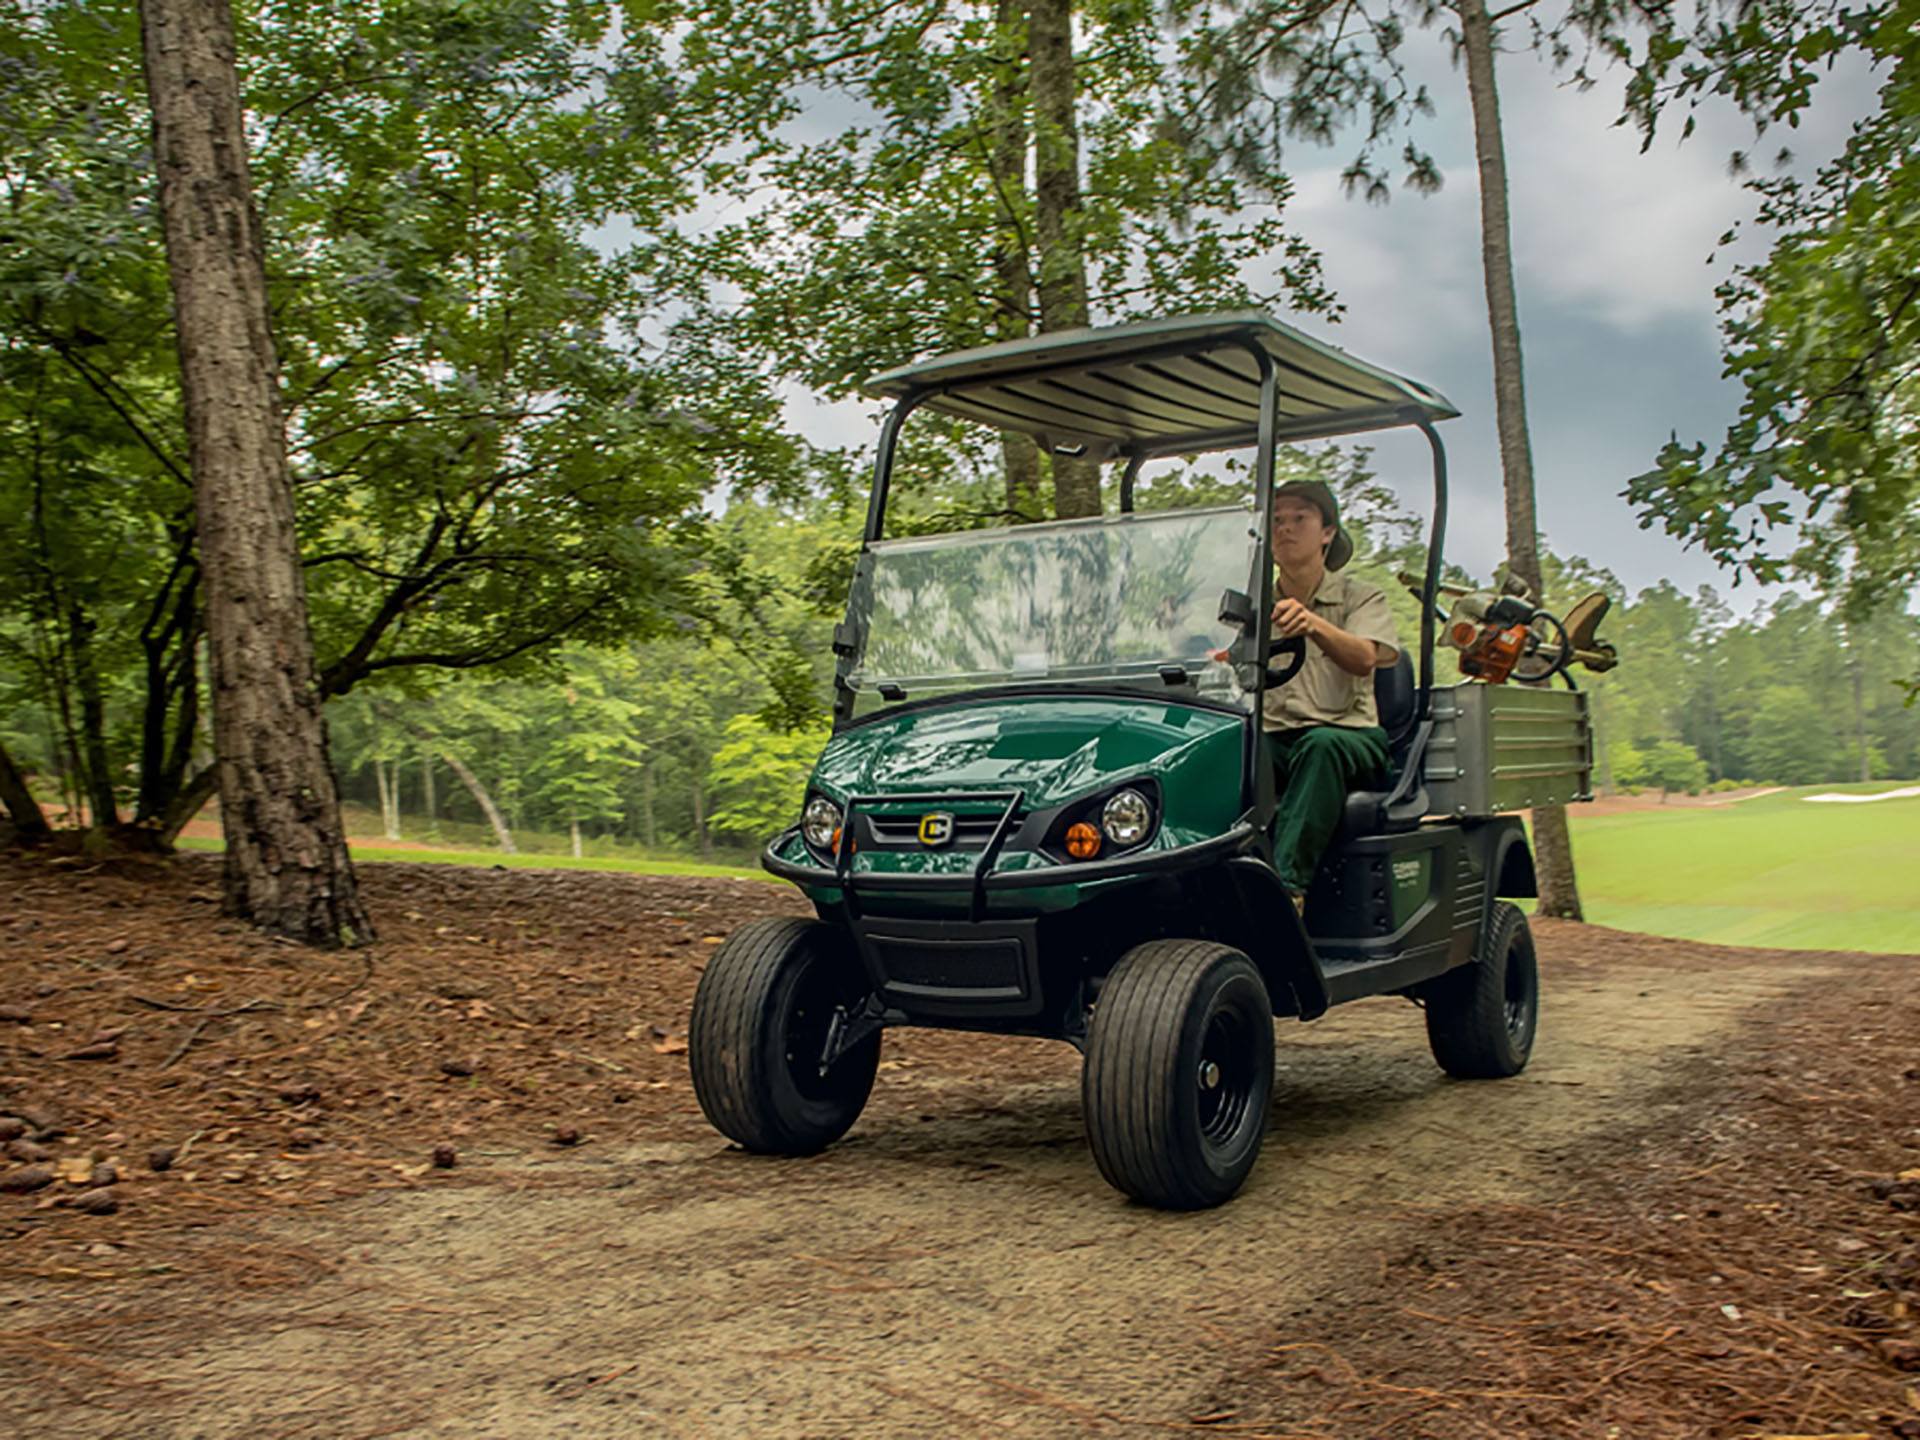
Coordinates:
(1209, 1075)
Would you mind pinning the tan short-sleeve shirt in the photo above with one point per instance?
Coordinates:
(1322, 693)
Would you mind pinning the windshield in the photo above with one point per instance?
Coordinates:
(1105, 598)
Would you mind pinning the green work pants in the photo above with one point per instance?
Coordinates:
(1314, 770)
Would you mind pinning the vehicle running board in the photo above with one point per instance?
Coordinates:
(1356, 979)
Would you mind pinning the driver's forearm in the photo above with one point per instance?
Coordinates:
(1352, 653)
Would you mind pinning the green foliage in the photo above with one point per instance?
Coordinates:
(486, 464)
(1667, 765)
(1823, 336)
(759, 776)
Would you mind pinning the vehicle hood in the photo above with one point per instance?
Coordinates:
(1053, 748)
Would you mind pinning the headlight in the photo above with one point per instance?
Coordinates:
(820, 822)
(1127, 818)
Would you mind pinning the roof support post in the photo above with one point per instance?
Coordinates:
(883, 463)
(1436, 540)
(1127, 478)
(1259, 771)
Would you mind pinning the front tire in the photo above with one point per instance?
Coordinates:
(1178, 1073)
(1481, 1018)
(759, 1026)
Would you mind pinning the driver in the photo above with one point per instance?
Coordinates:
(1322, 727)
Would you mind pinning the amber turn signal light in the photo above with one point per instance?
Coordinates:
(1083, 841)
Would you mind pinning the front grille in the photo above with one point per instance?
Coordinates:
(902, 832)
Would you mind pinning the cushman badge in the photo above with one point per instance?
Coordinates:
(936, 828)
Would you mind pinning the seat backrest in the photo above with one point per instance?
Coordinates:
(1395, 696)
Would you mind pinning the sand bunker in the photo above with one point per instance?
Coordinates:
(1832, 797)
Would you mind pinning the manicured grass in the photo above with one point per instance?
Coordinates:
(373, 853)
(1776, 870)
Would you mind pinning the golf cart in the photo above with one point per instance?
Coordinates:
(1046, 805)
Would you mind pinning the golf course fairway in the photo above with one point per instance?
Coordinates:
(1776, 870)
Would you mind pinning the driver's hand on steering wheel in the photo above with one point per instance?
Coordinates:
(1291, 618)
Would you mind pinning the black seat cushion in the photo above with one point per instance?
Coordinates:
(1396, 697)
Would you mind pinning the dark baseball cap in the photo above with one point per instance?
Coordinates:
(1319, 494)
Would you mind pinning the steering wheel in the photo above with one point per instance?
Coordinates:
(1295, 649)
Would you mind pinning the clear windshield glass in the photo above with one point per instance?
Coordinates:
(1110, 598)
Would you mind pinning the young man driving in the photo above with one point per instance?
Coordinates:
(1322, 726)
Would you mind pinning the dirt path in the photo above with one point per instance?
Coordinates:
(955, 1267)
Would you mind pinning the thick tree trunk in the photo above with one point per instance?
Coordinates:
(1553, 845)
(1006, 126)
(501, 833)
(573, 831)
(1058, 216)
(29, 825)
(287, 867)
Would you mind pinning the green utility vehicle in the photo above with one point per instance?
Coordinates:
(1046, 805)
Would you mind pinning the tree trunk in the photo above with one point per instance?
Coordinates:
(287, 867)
(649, 832)
(427, 800)
(501, 833)
(573, 830)
(380, 784)
(29, 825)
(1553, 845)
(1006, 126)
(700, 835)
(93, 719)
(1859, 708)
(1058, 217)
(187, 803)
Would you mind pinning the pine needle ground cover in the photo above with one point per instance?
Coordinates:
(1776, 870)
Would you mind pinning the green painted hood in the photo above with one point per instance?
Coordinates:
(1055, 748)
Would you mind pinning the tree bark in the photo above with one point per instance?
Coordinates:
(1058, 215)
(1006, 126)
(1553, 845)
(573, 831)
(287, 867)
(501, 833)
(29, 824)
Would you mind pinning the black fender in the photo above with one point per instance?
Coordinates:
(1276, 940)
(1506, 862)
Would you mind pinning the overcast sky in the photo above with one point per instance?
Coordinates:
(1616, 304)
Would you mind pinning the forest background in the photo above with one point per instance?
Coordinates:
(571, 572)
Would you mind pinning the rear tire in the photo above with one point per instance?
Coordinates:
(1178, 1073)
(1481, 1018)
(760, 1021)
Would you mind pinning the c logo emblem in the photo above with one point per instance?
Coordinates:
(936, 828)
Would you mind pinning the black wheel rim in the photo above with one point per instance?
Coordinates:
(809, 1016)
(1519, 996)
(1224, 1079)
